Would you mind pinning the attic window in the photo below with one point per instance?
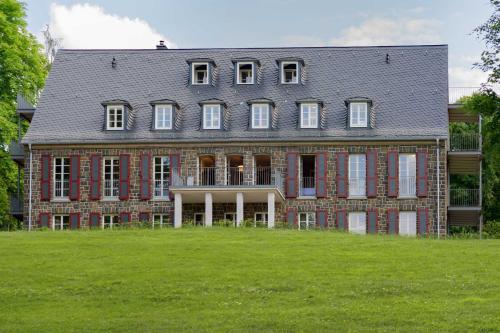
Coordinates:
(309, 115)
(163, 116)
(199, 73)
(260, 115)
(114, 117)
(289, 72)
(358, 114)
(211, 116)
(245, 72)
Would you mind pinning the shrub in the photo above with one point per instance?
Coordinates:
(492, 229)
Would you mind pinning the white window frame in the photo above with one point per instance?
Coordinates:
(114, 219)
(357, 174)
(283, 64)
(61, 192)
(193, 73)
(58, 222)
(238, 78)
(214, 109)
(407, 176)
(263, 121)
(161, 220)
(114, 189)
(264, 215)
(309, 123)
(309, 219)
(112, 125)
(358, 123)
(408, 223)
(167, 117)
(163, 180)
(198, 214)
(355, 223)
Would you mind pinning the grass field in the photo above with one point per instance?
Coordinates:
(245, 280)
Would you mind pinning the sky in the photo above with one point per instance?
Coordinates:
(261, 23)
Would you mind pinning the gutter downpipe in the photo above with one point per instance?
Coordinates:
(30, 224)
(438, 190)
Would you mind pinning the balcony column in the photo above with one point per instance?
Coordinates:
(208, 209)
(270, 210)
(177, 210)
(239, 208)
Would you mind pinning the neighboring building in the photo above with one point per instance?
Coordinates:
(338, 137)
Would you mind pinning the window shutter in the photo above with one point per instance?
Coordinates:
(291, 181)
(74, 220)
(422, 221)
(371, 173)
(322, 218)
(321, 174)
(291, 216)
(94, 220)
(45, 177)
(392, 173)
(74, 177)
(124, 218)
(144, 217)
(392, 221)
(422, 173)
(342, 166)
(44, 220)
(342, 220)
(124, 190)
(372, 221)
(95, 177)
(145, 175)
(175, 170)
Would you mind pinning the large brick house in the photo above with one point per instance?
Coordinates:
(354, 138)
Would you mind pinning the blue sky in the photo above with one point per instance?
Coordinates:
(187, 24)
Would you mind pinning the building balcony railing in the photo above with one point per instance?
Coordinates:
(464, 141)
(111, 188)
(307, 186)
(464, 197)
(161, 188)
(407, 186)
(16, 205)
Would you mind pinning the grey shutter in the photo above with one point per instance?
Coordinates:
(291, 217)
(45, 177)
(44, 220)
(94, 220)
(144, 217)
(95, 177)
(392, 173)
(372, 221)
(421, 173)
(145, 177)
(74, 220)
(422, 221)
(321, 174)
(322, 218)
(74, 177)
(392, 221)
(124, 218)
(124, 189)
(291, 181)
(342, 167)
(371, 173)
(342, 219)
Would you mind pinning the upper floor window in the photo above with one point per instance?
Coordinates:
(407, 175)
(245, 72)
(358, 114)
(114, 117)
(357, 175)
(161, 176)
(260, 116)
(211, 116)
(61, 177)
(199, 72)
(289, 72)
(111, 175)
(163, 116)
(309, 115)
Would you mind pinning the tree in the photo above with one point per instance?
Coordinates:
(23, 71)
(489, 33)
(51, 45)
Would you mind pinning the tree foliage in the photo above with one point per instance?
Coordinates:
(23, 69)
(489, 33)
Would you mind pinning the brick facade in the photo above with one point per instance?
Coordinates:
(189, 159)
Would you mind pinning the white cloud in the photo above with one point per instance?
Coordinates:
(383, 31)
(88, 26)
(466, 77)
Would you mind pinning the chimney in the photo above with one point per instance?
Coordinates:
(161, 46)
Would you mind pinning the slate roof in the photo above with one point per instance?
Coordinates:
(409, 94)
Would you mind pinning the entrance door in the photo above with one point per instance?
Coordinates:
(199, 219)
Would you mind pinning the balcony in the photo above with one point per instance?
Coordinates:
(307, 187)
(16, 151)
(16, 206)
(464, 142)
(464, 198)
(407, 186)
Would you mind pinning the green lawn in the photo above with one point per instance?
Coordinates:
(245, 280)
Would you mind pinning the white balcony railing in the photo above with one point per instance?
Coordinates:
(307, 186)
(464, 197)
(464, 141)
(407, 186)
(161, 188)
(111, 188)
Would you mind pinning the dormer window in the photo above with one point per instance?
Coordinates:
(289, 72)
(260, 116)
(114, 117)
(211, 116)
(245, 72)
(358, 114)
(163, 116)
(309, 115)
(199, 73)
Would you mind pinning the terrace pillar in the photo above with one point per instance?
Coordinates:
(270, 210)
(208, 209)
(239, 208)
(178, 210)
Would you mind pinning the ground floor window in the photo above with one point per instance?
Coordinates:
(260, 219)
(407, 223)
(307, 220)
(109, 221)
(199, 219)
(230, 217)
(60, 222)
(161, 220)
(357, 222)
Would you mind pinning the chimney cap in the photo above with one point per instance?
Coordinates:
(161, 45)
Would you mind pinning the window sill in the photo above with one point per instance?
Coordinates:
(60, 200)
(161, 199)
(357, 197)
(407, 197)
(113, 199)
(306, 197)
